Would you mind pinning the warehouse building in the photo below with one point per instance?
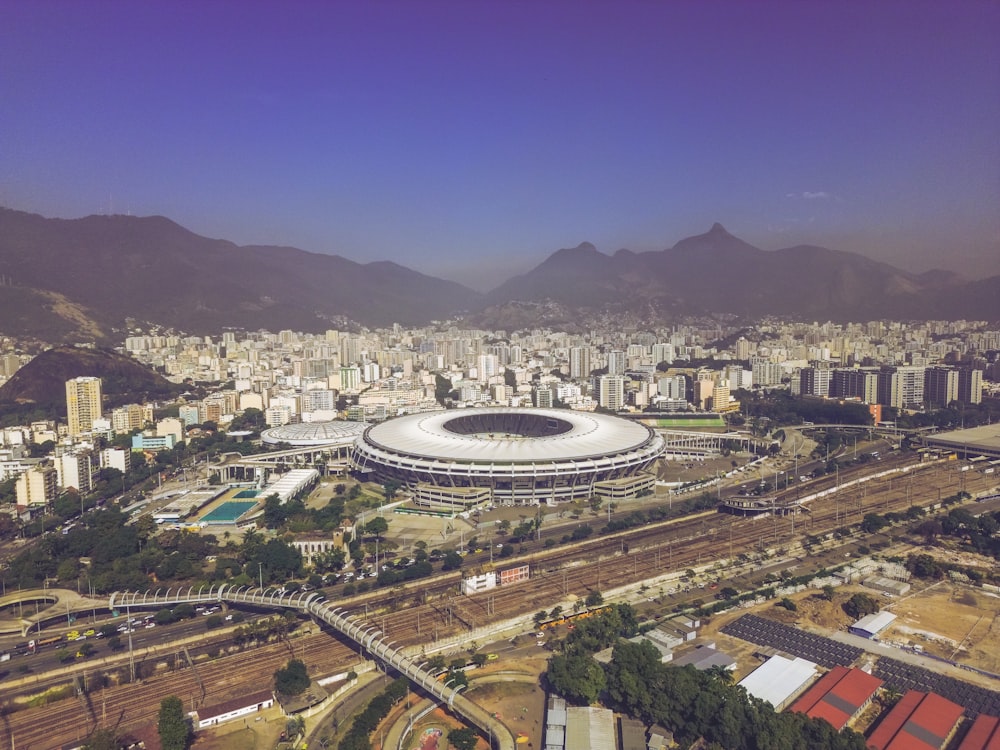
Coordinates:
(870, 626)
(839, 696)
(920, 721)
(779, 680)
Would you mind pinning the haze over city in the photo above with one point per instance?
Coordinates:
(471, 139)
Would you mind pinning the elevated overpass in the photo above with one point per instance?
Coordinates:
(48, 604)
(365, 635)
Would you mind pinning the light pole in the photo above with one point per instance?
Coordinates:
(260, 572)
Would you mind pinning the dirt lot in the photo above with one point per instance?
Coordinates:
(953, 621)
(939, 618)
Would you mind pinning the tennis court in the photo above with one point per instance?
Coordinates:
(228, 512)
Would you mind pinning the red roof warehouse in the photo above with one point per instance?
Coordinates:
(920, 721)
(838, 696)
(983, 735)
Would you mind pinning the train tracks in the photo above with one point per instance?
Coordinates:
(426, 612)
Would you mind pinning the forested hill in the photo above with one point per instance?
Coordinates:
(38, 390)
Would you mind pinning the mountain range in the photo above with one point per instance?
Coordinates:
(88, 278)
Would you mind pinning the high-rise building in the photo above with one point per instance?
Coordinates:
(75, 470)
(901, 387)
(487, 366)
(83, 404)
(350, 378)
(663, 353)
(765, 372)
(855, 383)
(720, 396)
(36, 486)
(611, 392)
(616, 362)
(543, 397)
(579, 362)
(940, 386)
(815, 381)
(970, 385)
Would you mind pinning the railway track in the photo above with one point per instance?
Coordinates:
(427, 611)
(130, 706)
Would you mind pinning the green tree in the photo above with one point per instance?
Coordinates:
(292, 679)
(389, 489)
(172, 725)
(452, 561)
(873, 523)
(860, 605)
(576, 677)
(463, 739)
(377, 526)
(594, 599)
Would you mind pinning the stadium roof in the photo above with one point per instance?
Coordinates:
(336, 432)
(573, 435)
(984, 440)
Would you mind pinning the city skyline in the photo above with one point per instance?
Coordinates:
(471, 140)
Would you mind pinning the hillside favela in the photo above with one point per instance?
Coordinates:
(437, 375)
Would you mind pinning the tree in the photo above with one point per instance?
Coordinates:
(389, 489)
(292, 679)
(860, 605)
(873, 523)
(577, 677)
(594, 599)
(172, 725)
(377, 526)
(463, 739)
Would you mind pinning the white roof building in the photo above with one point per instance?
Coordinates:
(779, 679)
(870, 626)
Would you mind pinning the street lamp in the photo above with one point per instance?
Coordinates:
(260, 571)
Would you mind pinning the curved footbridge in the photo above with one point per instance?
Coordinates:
(364, 634)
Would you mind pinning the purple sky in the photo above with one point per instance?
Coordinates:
(470, 139)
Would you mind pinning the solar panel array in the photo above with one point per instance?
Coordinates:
(902, 677)
(896, 674)
(823, 651)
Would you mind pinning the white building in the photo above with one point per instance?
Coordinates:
(75, 470)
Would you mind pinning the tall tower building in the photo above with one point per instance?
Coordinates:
(83, 404)
(579, 362)
(940, 386)
(970, 385)
(611, 392)
(616, 362)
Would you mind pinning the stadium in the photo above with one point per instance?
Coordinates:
(458, 460)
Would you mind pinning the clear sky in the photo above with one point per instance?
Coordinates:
(470, 139)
